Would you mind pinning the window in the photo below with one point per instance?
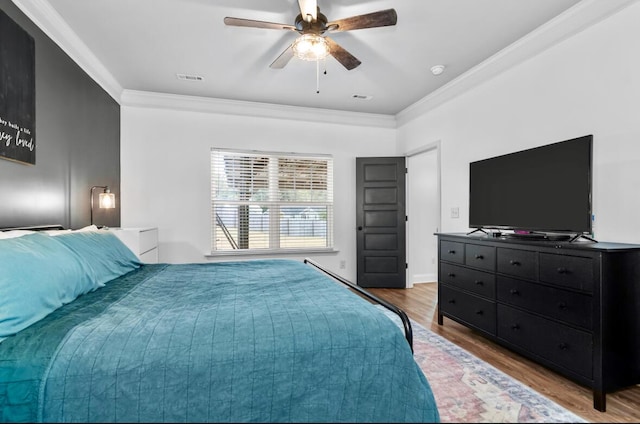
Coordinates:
(270, 201)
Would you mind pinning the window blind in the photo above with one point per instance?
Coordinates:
(271, 201)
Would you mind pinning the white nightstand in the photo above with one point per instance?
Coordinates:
(142, 241)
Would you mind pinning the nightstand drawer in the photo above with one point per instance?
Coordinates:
(150, 256)
(520, 263)
(148, 240)
(452, 251)
(473, 310)
(480, 282)
(568, 271)
(570, 307)
(562, 345)
(141, 241)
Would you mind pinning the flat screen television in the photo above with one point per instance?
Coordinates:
(545, 189)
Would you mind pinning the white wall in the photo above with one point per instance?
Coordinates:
(165, 172)
(423, 210)
(588, 84)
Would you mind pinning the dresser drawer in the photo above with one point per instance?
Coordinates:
(452, 251)
(568, 271)
(570, 307)
(483, 257)
(560, 344)
(520, 263)
(480, 282)
(474, 311)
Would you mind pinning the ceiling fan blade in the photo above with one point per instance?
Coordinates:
(256, 24)
(283, 59)
(347, 60)
(370, 20)
(308, 10)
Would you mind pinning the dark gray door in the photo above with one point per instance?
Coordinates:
(380, 221)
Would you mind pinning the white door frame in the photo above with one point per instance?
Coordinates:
(412, 240)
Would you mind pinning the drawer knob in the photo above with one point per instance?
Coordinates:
(452, 301)
(479, 257)
(563, 346)
(514, 292)
(479, 312)
(562, 305)
(514, 263)
(452, 252)
(479, 283)
(515, 327)
(563, 270)
(451, 274)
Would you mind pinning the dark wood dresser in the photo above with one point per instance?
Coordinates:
(573, 307)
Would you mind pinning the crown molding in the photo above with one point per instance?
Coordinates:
(571, 22)
(254, 109)
(567, 24)
(51, 23)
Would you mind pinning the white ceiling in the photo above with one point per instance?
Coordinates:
(143, 44)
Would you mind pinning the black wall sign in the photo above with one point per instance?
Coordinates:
(17, 93)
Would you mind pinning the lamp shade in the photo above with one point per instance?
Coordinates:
(107, 200)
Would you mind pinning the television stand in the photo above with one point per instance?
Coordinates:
(572, 309)
(577, 236)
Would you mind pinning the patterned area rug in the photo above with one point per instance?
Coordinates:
(468, 389)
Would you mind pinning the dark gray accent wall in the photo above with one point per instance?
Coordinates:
(77, 144)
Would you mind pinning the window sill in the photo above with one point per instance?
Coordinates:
(270, 252)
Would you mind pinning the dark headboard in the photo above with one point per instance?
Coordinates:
(36, 228)
(78, 143)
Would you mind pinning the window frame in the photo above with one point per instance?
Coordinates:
(274, 220)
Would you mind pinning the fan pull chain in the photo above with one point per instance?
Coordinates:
(317, 76)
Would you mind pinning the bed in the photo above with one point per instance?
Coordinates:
(89, 334)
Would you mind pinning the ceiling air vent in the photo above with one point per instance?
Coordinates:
(186, 77)
(361, 97)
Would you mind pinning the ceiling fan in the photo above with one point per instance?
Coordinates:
(312, 44)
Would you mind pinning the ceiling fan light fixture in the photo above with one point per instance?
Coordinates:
(311, 47)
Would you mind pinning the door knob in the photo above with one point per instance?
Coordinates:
(360, 228)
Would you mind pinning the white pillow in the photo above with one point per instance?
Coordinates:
(89, 228)
(59, 232)
(56, 232)
(14, 233)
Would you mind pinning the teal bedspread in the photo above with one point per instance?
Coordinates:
(259, 341)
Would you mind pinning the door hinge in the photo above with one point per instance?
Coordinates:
(406, 218)
(406, 170)
(406, 266)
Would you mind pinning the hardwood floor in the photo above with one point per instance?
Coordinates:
(419, 303)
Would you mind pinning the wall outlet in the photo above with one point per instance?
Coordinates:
(455, 212)
(343, 264)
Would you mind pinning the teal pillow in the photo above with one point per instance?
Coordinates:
(37, 276)
(102, 254)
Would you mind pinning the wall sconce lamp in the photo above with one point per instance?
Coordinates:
(106, 199)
